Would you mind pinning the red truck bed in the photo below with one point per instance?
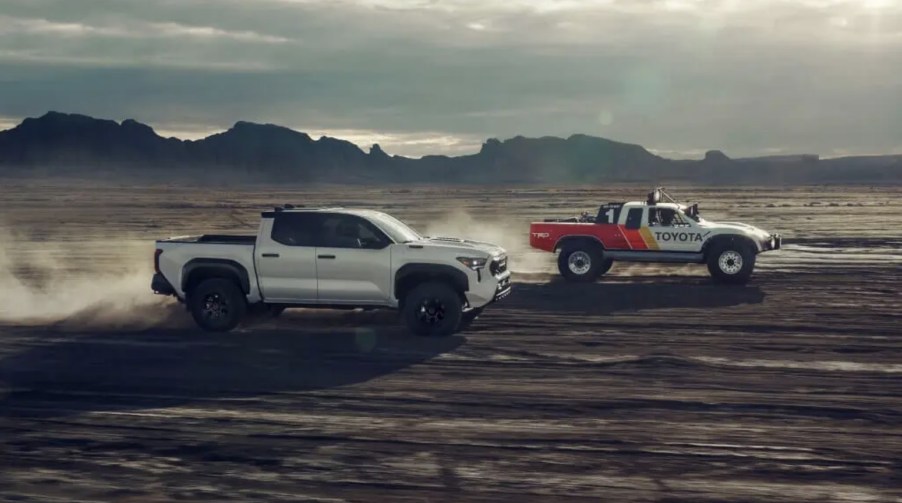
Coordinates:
(545, 235)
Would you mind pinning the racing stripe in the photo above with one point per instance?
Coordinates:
(634, 238)
(626, 240)
(649, 238)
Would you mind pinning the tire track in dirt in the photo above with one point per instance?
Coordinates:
(706, 400)
(650, 385)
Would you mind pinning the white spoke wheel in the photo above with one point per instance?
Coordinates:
(582, 262)
(579, 262)
(731, 261)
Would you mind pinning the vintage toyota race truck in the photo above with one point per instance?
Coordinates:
(658, 229)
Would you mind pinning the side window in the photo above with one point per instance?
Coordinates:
(634, 218)
(664, 217)
(349, 231)
(295, 229)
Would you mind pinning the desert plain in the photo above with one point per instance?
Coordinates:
(652, 384)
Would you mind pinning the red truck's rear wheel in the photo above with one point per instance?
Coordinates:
(583, 263)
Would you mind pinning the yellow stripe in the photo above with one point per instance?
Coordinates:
(649, 239)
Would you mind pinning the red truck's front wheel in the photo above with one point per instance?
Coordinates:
(731, 262)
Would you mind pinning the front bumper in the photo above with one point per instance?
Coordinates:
(775, 242)
(161, 286)
(503, 289)
(499, 271)
(490, 284)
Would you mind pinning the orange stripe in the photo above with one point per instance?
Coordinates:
(649, 238)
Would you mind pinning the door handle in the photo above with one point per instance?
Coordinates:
(330, 257)
(270, 255)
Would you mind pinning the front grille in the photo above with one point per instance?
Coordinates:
(503, 289)
(498, 266)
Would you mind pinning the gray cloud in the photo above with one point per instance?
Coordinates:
(679, 76)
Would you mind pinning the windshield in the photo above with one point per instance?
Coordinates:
(691, 212)
(397, 230)
(688, 216)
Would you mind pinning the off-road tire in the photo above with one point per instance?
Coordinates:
(432, 309)
(217, 305)
(582, 263)
(606, 265)
(731, 262)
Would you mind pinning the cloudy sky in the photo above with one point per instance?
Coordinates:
(439, 76)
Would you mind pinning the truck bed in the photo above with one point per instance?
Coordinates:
(177, 253)
(224, 239)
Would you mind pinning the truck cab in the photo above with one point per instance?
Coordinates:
(336, 258)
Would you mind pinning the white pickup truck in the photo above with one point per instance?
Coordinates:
(332, 258)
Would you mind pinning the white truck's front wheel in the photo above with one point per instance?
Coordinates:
(432, 309)
(731, 262)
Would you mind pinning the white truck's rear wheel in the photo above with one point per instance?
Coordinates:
(432, 309)
(217, 305)
(731, 262)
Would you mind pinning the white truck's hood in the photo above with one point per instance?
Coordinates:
(463, 244)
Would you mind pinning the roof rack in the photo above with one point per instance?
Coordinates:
(301, 206)
(658, 194)
(288, 206)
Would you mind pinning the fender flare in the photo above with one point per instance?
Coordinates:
(577, 237)
(714, 240)
(213, 267)
(457, 277)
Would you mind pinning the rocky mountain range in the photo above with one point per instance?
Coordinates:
(71, 145)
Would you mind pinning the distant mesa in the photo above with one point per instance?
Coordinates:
(376, 151)
(80, 146)
(716, 156)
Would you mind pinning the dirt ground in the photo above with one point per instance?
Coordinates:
(651, 385)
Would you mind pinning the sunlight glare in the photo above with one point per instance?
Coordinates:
(877, 4)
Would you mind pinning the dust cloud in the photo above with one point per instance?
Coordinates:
(512, 235)
(96, 284)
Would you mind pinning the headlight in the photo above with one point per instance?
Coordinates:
(474, 263)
